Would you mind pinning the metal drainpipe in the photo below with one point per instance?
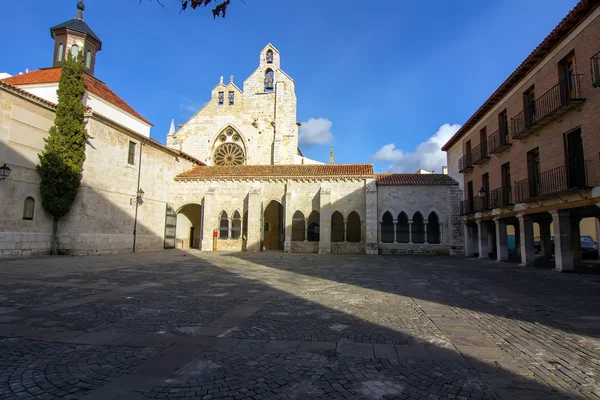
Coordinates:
(137, 199)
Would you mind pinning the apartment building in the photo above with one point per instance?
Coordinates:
(531, 153)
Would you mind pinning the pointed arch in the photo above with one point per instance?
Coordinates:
(236, 225)
(269, 57)
(298, 227)
(313, 231)
(269, 80)
(402, 228)
(223, 226)
(353, 228)
(337, 227)
(387, 228)
(418, 228)
(433, 228)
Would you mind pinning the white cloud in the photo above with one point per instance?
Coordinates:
(315, 131)
(428, 155)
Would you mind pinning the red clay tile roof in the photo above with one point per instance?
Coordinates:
(566, 26)
(93, 85)
(415, 179)
(279, 171)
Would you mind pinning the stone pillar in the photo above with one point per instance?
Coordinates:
(545, 243)
(345, 230)
(372, 245)
(325, 221)
(410, 231)
(518, 239)
(576, 238)
(306, 229)
(209, 218)
(563, 254)
(254, 221)
(526, 240)
(501, 240)
(288, 211)
(426, 238)
(395, 228)
(482, 239)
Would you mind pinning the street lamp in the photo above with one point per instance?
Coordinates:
(482, 193)
(4, 172)
(140, 194)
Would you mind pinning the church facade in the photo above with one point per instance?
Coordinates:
(232, 178)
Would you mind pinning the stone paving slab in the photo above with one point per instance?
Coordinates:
(281, 326)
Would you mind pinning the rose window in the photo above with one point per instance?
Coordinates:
(229, 154)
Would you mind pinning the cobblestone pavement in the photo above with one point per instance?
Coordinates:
(179, 324)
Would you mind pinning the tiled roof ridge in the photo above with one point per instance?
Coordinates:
(557, 35)
(25, 93)
(405, 179)
(279, 171)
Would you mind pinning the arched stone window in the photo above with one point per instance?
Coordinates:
(387, 228)
(223, 226)
(337, 227)
(314, 228)
(236, 226)
(74, 51)
(245, 226)
(433, 228)
(61, 52)
(353, 228)
(269, 80)
(418, 228)
(229, 154)
(88, 59)
(402, 229)
(298, 227)
(28, 208)
(269, 56)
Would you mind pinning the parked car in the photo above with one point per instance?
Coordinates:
(589, 248)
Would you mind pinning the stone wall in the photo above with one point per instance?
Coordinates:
(103, 213)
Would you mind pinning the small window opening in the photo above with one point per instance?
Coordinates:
(28, 208)
(131, 155)
(270, 57)
(88, 59)
(61, 52)
(269, 81)
(221, 98)
(74, 51)
(231, 98)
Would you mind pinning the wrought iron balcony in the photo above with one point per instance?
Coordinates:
(465, 163)
(481, 203)
(556, 101)
(499, 141)
(466, 207)
(565, 178)
(595, 64)
(501, 197)
(480, 153)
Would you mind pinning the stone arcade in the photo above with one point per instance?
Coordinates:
(233, 170)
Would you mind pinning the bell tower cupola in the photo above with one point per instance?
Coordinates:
(76, 36)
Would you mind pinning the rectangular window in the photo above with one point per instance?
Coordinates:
(483, 142)
(231, 97)
(485, 185)
(221, 98)
(530, 106)
(503, 125)
(131, 156)
(533, 171)
(506, 184)
(567, 69)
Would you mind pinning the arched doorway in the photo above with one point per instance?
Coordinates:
(273, 228)
(189, 227)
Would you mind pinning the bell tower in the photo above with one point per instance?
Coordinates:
(76, 36)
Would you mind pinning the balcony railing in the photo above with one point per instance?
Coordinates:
(481, 203)
(501, 197)
(465, 163)
(556, 101)
(480, 153)
(562, 179)
(499, 141)
(595, 64)
(466, 207)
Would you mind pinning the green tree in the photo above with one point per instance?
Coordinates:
(61, 161)
(219, 6)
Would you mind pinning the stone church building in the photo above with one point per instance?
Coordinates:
(232, 178)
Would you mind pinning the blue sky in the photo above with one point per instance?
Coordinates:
(381, 81)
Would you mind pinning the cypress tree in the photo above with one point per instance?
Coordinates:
(61, 162)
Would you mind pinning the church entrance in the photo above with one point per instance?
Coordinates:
(273, 229)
